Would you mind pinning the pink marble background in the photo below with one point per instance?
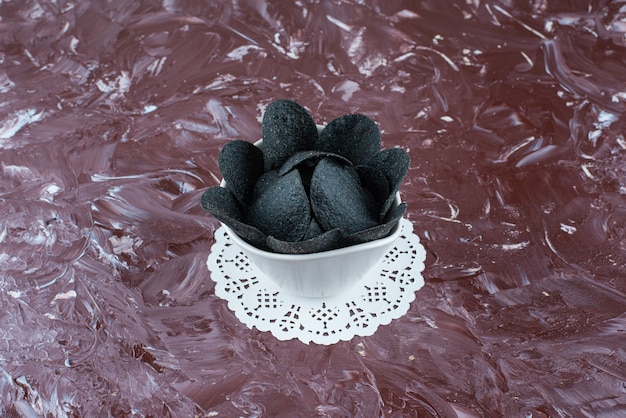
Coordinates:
(112, 114)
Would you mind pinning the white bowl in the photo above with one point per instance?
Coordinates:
(320, 274)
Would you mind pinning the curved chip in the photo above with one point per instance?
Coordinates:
(376, 182)
(241, 164)
(263, 183)
(287, 128)
(394, 163)
(313, 230)
(378, 231)
(221, 203)
(283, 209)
(353, 136)
(338, 200)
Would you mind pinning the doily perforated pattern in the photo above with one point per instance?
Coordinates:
(383, 295)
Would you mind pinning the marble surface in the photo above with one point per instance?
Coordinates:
(111, 117)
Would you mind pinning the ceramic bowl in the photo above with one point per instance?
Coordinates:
(320, 274)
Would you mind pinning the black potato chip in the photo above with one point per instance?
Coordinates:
(394, 163)
(378, 231)
(327, 241)
(241, 164)
(263, 183)
(313, 230)
(283, 209)
(338, 200)
(287, 129)
(247, 232)
(376, 182)
(221, 203)
(354, 136)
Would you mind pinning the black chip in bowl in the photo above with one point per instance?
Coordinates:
(287, 128)
(353, 136)
(221, 203)
(283, 209)
(338, 200)
(241, 164)
(394, 164)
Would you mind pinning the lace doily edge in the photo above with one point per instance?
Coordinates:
(349, 330)
(328, 339)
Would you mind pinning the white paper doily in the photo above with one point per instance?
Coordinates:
(383, 295)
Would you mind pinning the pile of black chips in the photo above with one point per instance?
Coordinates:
(302, 192)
